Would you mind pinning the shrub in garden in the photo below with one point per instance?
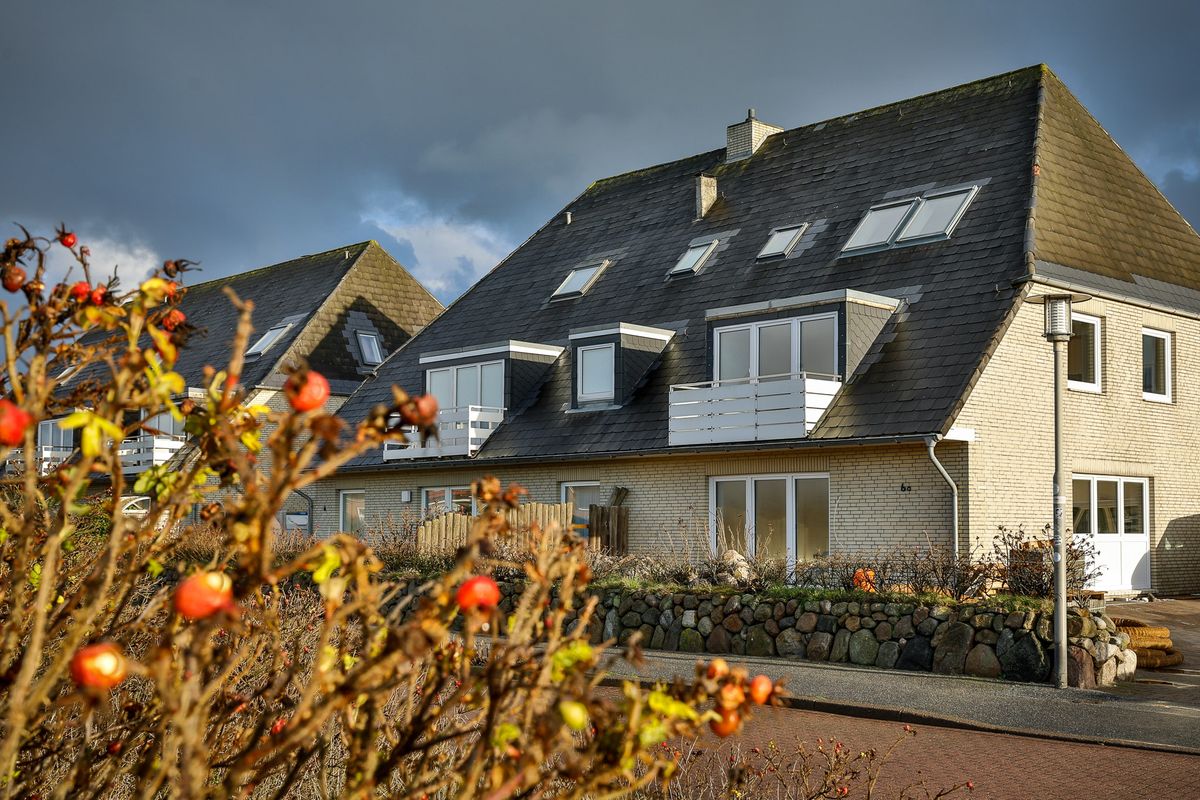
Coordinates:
(136, 660)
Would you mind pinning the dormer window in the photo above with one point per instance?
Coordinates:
(781, 241)
(269, 338)
(879, 226)
(467, 385)
(578, 281)
(937, 215)
(694, 258)
(596, 381)
(369, 348)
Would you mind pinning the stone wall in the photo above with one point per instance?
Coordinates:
(976, 640)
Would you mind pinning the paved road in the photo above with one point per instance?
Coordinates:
(1072, 714)
(1002, 767)
(1177, 685)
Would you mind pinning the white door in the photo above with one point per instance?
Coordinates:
(1113, 512)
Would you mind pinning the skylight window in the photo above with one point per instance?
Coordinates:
(937, 215)
(694, 258)
(368, 346)
(269, 338)
(782, 240)
(578, 281)
(879, 226)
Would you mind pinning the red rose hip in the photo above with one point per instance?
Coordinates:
(478, 594)
(67, 239)
(98, 295)
(99, 666)
(80, 291)
(307, 392)
(760, 689)
(204, 594)
(14, 421)
(173, 319)
(14, 278)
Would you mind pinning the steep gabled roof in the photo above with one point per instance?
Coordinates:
(311, 292)
(1096, 211)
(958, 292)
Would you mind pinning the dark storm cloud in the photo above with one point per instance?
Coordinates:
(243, 133)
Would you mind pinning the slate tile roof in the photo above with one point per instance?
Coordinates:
(961, 292)
(312, 289)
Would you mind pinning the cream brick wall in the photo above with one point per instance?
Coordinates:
(1112, 433)
(668, 496)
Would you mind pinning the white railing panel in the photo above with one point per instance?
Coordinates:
(461, 432)
(716, 413)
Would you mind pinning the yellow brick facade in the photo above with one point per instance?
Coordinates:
(879, 497)
(1115, 432)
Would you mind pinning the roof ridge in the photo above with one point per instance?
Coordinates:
(258, 270)
(1042, 69)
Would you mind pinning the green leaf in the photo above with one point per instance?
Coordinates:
(330, 561)
(154, 567)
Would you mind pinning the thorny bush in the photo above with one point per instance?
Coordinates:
(276, 668)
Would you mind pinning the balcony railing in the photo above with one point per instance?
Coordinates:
(48, 457)
(755, 410)
(462, 431)
(139, 453)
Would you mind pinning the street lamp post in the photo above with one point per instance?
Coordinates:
(1057, 332)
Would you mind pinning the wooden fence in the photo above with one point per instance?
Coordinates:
(608, 529)
(449, 531)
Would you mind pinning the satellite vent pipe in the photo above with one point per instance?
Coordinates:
(930, 442)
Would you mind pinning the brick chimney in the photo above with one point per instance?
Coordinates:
(744, 138)
(706, 194)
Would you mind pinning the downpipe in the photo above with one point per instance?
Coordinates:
(930, 443)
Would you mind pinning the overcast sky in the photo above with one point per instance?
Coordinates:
(244, 132)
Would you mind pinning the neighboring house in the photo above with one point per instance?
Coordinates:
(342, 310)
(816, 339)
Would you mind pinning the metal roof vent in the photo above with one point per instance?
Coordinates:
(744, 138)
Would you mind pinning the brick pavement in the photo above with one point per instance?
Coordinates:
(1002, 766)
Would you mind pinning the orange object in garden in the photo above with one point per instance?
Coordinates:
(864, 579)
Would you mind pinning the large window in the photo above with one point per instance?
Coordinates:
(581, 495)
(1083, 354)
(936, 215)
(776, 350)
(352, 518)
(51, 435)
(1156, 365)
(596, 376)
(443, 499)
(772, 516)
(879, 226)
(468, 385)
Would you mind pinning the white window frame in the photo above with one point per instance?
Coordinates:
(364, 336)
(478, 367)
(1097, 359)
(911, 202)
(1167, 382)
(559, 294)
(1121, 482)
(754, 327)
(565, 488)
(749, 480)
(342, 507)
(267, 341)
(797, 233)
(593, 397)
(903, 238)
(447, 494)
(708, 248)
(59, 437)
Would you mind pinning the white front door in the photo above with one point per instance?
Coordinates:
(1113, 513)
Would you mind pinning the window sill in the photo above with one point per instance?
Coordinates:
(606, 405)
(1086, 388)
(1163, 399)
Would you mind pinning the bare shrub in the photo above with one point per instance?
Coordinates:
(1026, 563)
